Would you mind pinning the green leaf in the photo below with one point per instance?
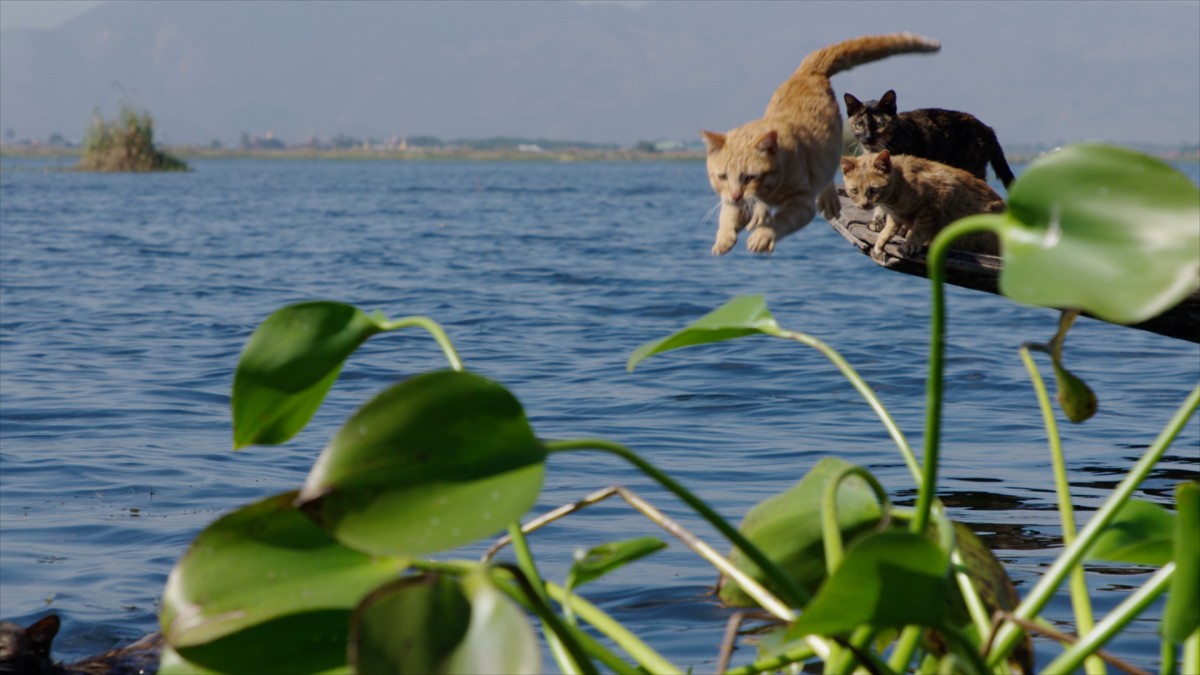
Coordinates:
(1076, 398)
(1141, 533)
(258, 564)
(307, 642)
(435, 462)
(787, 528)
(289, 364)
(500, 638)
(1181, 617)
(1102, 229)
(741, 316)
(610, 556)
(888, 579)
(439, 624)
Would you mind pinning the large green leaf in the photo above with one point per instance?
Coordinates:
(288, 366)
(1106, 230)
(307, 642)
(258, 564)
(1181, 617)
(439, 624)
(787, 528)
(1141, 532)
(888, 579)
(741, 316)
(435, 462)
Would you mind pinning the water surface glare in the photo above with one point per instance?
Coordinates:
(125, 300)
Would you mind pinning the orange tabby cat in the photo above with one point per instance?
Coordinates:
(919, 196)
(787, 160)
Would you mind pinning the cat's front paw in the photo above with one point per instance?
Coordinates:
(761, 240)
(725, 241)
(878, 219)
(911, 247)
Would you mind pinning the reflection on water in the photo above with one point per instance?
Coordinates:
(124, 302)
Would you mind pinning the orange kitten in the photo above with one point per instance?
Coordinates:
(786, 161)
(920, 197)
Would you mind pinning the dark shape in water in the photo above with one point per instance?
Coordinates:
(26, 651)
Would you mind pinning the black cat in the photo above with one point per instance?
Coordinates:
(26, 651)
(947, 136)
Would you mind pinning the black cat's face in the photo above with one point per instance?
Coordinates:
(26, 651)
(873, 123)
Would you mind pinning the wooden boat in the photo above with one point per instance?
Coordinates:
(982, 272)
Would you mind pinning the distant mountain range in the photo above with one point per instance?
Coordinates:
(371, 70)
(600, 72)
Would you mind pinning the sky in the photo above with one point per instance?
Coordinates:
(1038, 72)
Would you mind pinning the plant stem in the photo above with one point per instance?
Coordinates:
(434, 329)
(1040, 594)
(1080, 601)
(558, 637)
(863, 388)
(792, 593)
(1125, 612)
(831, 533)
(649, 659)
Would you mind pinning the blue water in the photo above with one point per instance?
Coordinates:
(125, 300)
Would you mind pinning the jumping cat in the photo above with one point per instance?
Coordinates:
(920, 197)
(786, 161)
(26, 651)
(955, 138)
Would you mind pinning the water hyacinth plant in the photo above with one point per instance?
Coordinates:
(125, 143)
(335, 576)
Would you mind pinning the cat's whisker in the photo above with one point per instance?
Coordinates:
(709, 216)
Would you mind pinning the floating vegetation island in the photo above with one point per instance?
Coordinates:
(125, 144)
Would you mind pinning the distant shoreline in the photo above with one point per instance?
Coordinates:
(427, 154)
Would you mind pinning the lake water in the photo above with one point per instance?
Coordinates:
(125, 300)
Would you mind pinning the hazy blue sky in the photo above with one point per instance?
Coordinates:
(1037, 71)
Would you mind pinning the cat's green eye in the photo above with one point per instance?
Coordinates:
(872, 190)
(722, 176)
(748, 177)
(854, 191)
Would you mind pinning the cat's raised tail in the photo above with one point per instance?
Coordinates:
(845, 55)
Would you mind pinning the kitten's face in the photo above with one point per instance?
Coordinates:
(742, 165)
(873, 123)
(867, 178)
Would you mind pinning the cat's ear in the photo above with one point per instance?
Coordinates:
(848, 165)
(768, 142)
(883, 162)
(853, 105)
(713, 140)
(41, 633)
(888, 100)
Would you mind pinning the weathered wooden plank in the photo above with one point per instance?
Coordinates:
(982, 272)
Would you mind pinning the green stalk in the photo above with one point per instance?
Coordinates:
(435, 329)
(1168, 657)
(646, 657)
(516, 587)
(831, 533)
(1191, 653)
(863, 388)
(1041, 593)
(1080, 601)
(907, 643)
(792, 593)
(1112, 624)
(575, 659)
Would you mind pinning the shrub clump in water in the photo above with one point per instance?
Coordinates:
(125, 144)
